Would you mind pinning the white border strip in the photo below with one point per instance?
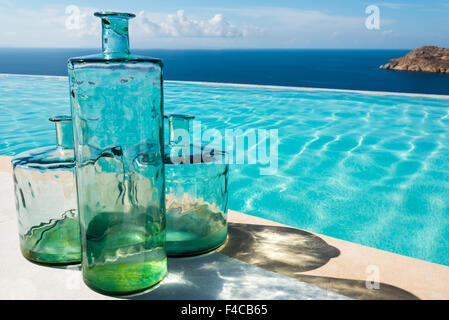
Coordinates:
(273, 87)
(374, 93)
(30, 75)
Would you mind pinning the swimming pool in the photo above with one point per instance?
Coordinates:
(371, 169)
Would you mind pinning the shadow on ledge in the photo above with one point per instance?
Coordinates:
(218, 275)
(289, 252)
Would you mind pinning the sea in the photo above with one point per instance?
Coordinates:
(316, 68)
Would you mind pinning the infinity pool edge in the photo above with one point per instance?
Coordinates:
(273, 87)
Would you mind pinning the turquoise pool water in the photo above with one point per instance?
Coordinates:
(371, 169)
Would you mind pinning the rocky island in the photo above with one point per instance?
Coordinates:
(424, 59)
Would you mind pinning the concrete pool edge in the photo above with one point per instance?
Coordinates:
(274, 87)
(420, 278)
(424, 279)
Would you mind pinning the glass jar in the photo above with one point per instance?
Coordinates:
(45, 193)
(116, 100)
(196, 181)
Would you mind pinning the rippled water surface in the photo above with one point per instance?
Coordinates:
(372, 169)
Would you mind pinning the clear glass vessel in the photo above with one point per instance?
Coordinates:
(116, 100)
(196, 193)
(45, 192)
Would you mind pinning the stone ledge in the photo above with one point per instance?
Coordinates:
(423, 279)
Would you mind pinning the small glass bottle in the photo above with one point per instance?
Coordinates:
(45, 192)
(116, 100)
(196, 181)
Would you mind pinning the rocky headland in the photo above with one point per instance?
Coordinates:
(422, 59)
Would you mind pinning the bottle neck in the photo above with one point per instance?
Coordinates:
(115, 39)
(64, 134)
(176, 122)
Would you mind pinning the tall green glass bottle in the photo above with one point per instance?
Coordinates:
(116, 100)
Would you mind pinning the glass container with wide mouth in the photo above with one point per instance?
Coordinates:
(116, 100)
(196, 192)
(45, 193)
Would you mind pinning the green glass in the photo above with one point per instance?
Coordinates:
(45, 193)
(196, 180)
(116, 100)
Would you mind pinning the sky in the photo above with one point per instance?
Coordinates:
(214, 24)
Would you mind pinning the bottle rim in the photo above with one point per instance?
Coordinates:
(177, 115)
(103, 14)
(60, 118)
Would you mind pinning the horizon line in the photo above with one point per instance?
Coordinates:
(179, 49)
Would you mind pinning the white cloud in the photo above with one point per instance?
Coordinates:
(83, 23)
(179, 25)
(255, 27)
(74, 21)
(74, 26)
(290, 27)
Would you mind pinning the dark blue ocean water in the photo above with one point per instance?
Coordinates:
(338, 69)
